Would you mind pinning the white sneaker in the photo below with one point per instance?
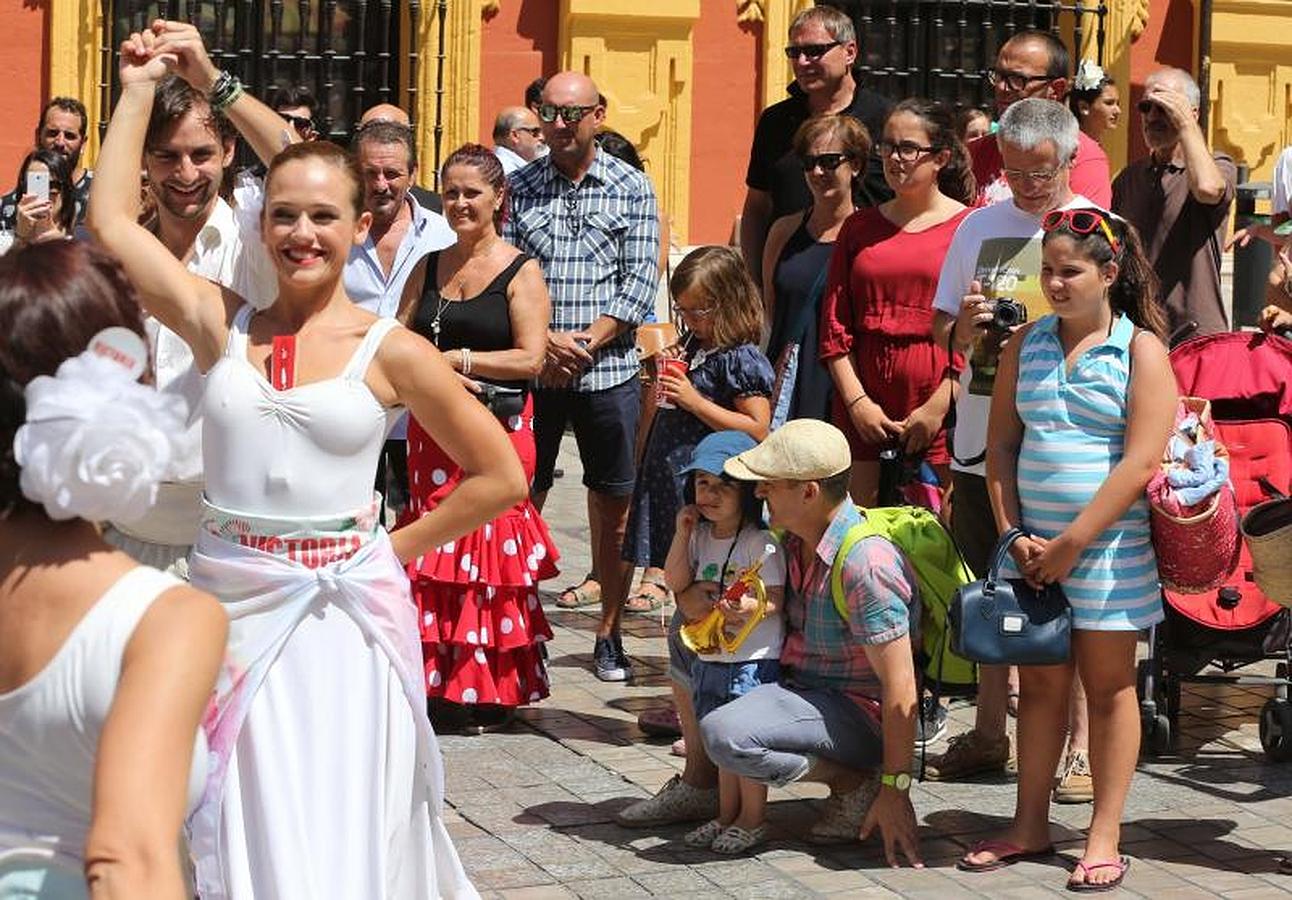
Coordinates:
(676, 801)
(843, 814)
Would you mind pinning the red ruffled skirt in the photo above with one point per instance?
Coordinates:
(481, 619)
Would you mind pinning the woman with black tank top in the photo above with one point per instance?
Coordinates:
(833, 150)
(484, 304)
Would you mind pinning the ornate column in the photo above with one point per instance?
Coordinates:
(640, 57)
(75, 64)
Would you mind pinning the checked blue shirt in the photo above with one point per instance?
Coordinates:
(598, 244)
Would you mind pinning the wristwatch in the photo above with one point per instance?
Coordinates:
(900, 781)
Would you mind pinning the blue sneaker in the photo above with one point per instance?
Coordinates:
(609, 661)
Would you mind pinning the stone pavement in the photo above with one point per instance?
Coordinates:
(531, 810)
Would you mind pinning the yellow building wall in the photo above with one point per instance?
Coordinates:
(75, 64)
(1251, 81)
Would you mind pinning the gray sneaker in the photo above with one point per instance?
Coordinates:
(842, 814)
(676, 801)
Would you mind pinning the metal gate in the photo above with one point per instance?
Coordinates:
(348, 52)
(942, 48)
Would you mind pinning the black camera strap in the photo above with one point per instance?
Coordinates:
(951, 414)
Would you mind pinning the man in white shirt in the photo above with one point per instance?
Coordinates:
(517, 137)
(187, 149)
(995, 255)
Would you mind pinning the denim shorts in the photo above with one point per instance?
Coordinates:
(716, 683)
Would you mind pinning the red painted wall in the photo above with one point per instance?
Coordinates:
(24, 35)
(1168, 40)
(519, 44)
(724, 111)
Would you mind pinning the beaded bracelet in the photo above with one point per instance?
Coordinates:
(225, 92)
(466, 361)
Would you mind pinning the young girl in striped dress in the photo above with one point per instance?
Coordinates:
(1084, 402)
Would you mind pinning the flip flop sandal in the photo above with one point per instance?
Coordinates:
(736, 840)
(703, 837)
(1122, 866)
(652, 594)
(661, 721)
(1006, 855)
(678, 748)
(579, 595)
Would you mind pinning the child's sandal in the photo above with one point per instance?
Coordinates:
(735, 840)
(702, 838)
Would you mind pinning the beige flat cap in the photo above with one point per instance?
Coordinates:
(800, 450)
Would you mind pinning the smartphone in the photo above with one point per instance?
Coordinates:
(38, 184)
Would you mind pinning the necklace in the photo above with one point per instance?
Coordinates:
(444, 297)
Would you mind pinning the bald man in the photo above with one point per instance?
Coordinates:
(590, 220)
(517, 138)
(389, 112)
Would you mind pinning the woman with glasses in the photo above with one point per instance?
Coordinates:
(892, 381)
(49, 217)
(833, 151)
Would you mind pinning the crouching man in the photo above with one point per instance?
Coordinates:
(844, 710)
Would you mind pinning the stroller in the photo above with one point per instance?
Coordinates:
(1248, 379)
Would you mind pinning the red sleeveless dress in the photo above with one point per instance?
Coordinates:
(481, 619)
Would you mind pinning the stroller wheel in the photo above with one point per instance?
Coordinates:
(1276, 729)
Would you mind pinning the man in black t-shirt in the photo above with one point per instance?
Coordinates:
(822, 49)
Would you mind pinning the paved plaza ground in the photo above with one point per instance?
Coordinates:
(531, 810)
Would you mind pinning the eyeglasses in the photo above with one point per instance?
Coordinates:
(1013, 81)
(1146, 107)
(573, 115)
(907, 151)
(812, 52)
(533, 131)
(701, 312)
(1080, 221)
(1042, 175)
(300, 123)
(827, 161)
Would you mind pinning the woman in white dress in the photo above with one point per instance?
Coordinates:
(327, 780)
(106, 666)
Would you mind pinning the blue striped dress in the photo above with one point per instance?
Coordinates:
(1074, 431)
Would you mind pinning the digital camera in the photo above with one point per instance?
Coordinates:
(1007, 313)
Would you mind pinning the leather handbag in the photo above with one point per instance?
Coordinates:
(1007, 622)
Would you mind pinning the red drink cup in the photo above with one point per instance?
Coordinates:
(668, 366)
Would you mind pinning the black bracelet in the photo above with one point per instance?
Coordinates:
(226, 90)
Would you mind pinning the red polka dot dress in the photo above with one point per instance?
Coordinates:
(481, 619)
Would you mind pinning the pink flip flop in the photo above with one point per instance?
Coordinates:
(1006, 855)
(1122, 865)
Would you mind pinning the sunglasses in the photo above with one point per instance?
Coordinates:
(1013, 81)
(827, 161)
(573, 115)
(1147, 106)
(811, 52)
(533, 131)
(1080, 221)
(300, 123)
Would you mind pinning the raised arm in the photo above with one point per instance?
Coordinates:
(142, 767)
(190, 306)
(414, 374)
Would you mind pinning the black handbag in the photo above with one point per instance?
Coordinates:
(503, 402)
(1007, 622)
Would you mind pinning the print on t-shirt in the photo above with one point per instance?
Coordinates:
(1006, 267)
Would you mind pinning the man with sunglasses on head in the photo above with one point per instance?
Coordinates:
(990, 284)
(822, 50)
(61, 128)
(297, 104)
(1035, 63)
(1179, 197)
(591, 221)
(518, 138)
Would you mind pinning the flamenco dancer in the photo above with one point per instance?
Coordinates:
(327, 779)
(484, 305)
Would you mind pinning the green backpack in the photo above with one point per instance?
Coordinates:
(939, 571)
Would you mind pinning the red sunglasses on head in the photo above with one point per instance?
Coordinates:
(1080, 221)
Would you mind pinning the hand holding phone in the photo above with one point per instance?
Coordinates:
(38, 184)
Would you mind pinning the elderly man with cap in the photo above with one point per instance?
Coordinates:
(841, 678)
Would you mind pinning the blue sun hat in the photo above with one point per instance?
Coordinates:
(712, 453)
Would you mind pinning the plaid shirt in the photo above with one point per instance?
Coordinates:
(598, 244)
(822, 650)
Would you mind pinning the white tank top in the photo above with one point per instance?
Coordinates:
(309, 450)
(50, 726)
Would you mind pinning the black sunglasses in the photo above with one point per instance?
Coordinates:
(827, 161)
(812, 51)
(300, 123)
(1147, 106)
(573, 115)
(532, 131)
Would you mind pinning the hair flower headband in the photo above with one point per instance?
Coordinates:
(96, 442)
(1089, 76)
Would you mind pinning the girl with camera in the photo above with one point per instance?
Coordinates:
(483, 303)
(1084, 401)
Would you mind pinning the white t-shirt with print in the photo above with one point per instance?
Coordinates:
(709, 554)
(1000, 247)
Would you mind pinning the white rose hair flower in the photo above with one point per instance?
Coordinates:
(1089, 76)
(96, 442)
